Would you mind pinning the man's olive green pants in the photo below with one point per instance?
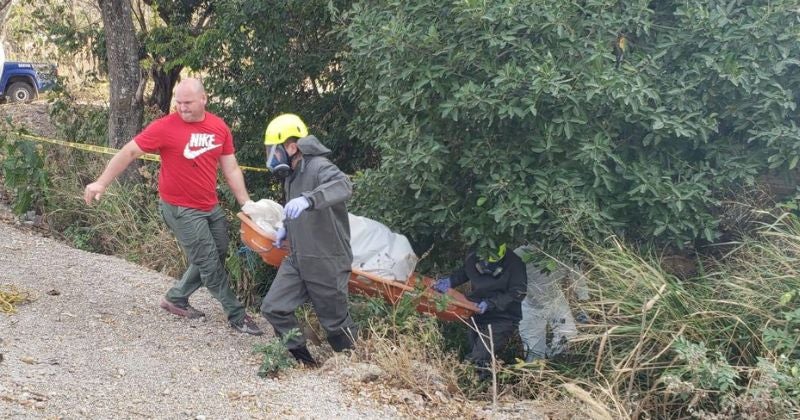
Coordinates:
(203, 235)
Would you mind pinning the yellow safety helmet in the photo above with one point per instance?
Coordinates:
(493, 255)
(284, 126)
(496, 255)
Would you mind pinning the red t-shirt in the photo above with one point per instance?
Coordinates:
(190, 155)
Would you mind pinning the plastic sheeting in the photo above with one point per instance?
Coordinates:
(547, 323)
(376, 249)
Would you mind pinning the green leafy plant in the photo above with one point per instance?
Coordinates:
(24, 173)
(276, 358)
(708, 373)
(785, 340)
(80, 237)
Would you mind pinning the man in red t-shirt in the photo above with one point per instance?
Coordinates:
(192, 143)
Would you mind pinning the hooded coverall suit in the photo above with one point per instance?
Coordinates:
(318, 265)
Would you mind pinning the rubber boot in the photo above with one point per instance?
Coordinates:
(343, 341)
(302, 355)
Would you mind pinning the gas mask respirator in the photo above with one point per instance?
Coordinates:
(491, 261)
(278, 161)
(487, 267)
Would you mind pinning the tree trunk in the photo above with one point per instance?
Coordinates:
(163, 83)
(125, 76)
(5, 8)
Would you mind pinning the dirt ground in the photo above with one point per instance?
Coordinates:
(34, 117)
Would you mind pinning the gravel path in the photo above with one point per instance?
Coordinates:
(95, 344)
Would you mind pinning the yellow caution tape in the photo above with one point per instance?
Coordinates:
(10, 297)
(86, 147)
(108, 150)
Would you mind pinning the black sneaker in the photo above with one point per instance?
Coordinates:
(247, 326)
(184, 311)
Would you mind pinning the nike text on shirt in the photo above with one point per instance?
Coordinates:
(198, 144)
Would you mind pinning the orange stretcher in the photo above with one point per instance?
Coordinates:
(368, 284)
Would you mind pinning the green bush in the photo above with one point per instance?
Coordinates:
(493, 118)
(276, 358)
(24, 173)
(277, 57)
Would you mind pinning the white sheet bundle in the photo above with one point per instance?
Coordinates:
(267, 214)
(376, 249)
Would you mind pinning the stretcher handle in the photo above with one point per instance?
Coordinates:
(428, 291)
(379, 279)
(260, 248)
(246, 219)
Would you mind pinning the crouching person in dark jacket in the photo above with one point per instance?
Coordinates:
(499, 284)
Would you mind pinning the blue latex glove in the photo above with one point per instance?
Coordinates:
(295, 206)
(482, 307)
(442, 285)
(280, 235)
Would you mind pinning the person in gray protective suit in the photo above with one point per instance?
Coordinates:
(547, 323)
(316, 225)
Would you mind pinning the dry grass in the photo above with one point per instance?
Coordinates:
(661, 347)
(412, 362)
(126, 222)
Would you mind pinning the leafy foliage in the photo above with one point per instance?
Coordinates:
(710, 373)
(276, 57)
(73, 29)
(494, 119)
(24, 173)
(786, 340)
(276, 358)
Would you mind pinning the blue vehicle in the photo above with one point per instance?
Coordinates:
(22, 82)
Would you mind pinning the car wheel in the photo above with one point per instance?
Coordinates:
(20, 92)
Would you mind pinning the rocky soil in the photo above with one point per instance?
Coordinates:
(93, 343)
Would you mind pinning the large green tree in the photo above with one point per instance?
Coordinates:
(500, 120)
(272, 57)
(168, 40)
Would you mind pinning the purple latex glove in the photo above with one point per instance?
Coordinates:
(280, 235)
(296, 206)
(442, 285)
(482, 307)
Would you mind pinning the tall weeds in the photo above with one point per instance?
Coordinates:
(662, 347)
(125, 222)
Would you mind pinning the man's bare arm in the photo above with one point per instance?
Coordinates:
(116, 165)
(234, 178)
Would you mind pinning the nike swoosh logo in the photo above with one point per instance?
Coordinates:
(191, 154)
